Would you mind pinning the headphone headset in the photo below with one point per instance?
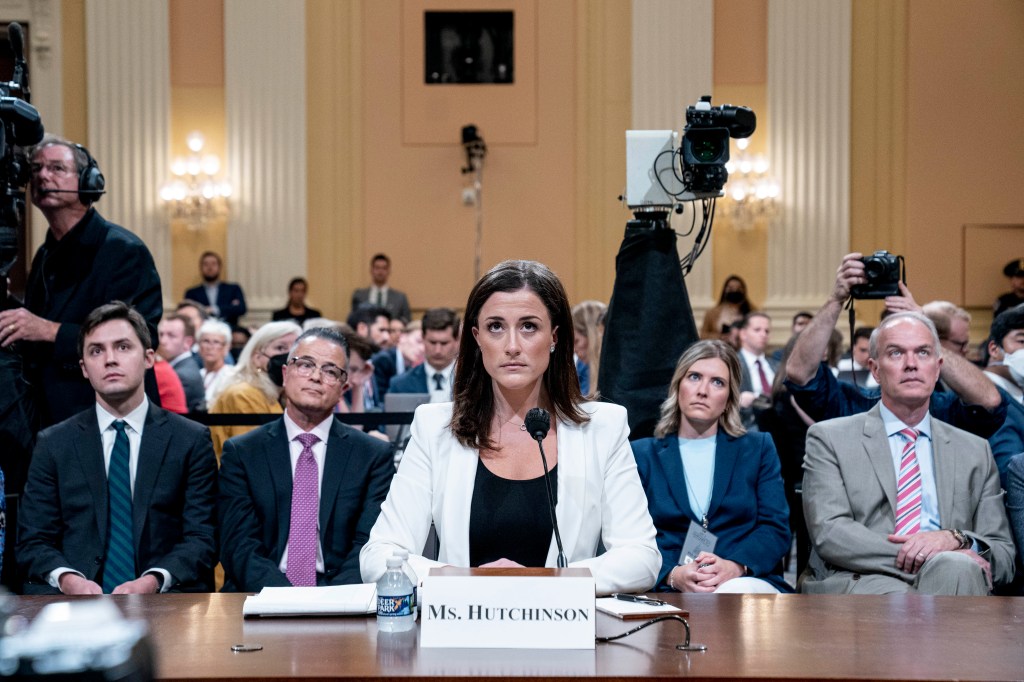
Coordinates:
(90, 180)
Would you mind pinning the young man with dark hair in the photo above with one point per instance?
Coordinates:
(379, 293)
(441, 342)
(222, 299)
(121, 497)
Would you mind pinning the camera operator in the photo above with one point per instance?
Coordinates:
(85, 262)
(975, 404)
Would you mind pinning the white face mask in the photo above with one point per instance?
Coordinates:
(1015, 362)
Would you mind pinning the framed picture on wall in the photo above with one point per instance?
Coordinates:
(469, 47)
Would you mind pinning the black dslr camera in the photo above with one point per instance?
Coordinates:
(883, 272)
(705, 148)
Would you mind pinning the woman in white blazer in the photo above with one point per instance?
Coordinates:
(473, 470)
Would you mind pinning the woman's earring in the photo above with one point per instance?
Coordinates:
(552, 349)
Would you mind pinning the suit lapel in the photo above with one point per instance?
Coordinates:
(673, 473)
(876, 446)
(336, 463)
(153, 448)
(276, 453)
(726, 454)
(89, 450)
(456, 505)
(944, 465)
(572, 488)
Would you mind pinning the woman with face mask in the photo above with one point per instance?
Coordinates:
(733, 306)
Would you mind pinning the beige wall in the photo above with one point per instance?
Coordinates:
(936, 94)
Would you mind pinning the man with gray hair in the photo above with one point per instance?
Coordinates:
(298, 496)
(898, 502)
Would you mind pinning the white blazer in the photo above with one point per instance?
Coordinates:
(600, 501)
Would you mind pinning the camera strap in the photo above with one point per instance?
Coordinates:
(853, 322)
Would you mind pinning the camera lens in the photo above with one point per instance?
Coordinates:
(873, 269)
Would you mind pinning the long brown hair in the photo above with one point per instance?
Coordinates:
(473, 392)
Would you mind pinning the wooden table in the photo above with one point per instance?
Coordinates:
(748, 637)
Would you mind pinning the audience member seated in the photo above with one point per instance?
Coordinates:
(587, 337)
(853, 368)
(1006, 352)
(250, 390)
(732, 306)
(223, 300)
(373, 322)
(756, 370)
(362, 394)
(168, 385)
(408, 353)
(297, 311)
(214, 339)
(800, 320)
(896, 501)
(473, 470)
(1014, 271)
(1015, 509)
(704, 473)
(121, 497)
(975, 405)
(177, 336)
(380, 294)
(239, 337)
(441, 345)
(953, 324)
(298, 496)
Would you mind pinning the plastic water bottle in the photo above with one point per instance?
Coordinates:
(394, 599)
(403, 554)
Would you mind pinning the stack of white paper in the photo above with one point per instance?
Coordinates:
(336, 600)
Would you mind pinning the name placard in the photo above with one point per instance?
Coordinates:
(503, 608)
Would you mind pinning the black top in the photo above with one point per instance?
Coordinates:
(285, 314)
(510, 519)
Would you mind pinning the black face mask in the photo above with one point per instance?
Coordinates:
(274, 366)
(734, 296)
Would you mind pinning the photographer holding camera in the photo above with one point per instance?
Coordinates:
(85, 262)
(975, 404)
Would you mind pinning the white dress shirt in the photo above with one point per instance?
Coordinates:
(755, 378)
(378, 295)
(445, 394)
(322, 431)
(929, 496)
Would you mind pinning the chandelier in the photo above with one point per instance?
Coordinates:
(196, 194)
(752, 192)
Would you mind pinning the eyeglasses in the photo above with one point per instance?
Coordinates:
(329, 374)
(52, 168)
(206, 341)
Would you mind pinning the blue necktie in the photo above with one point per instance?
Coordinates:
(120, 562)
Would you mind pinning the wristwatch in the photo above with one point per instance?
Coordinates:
(960, 537)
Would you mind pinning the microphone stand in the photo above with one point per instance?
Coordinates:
(537, 423)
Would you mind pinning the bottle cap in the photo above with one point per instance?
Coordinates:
(394, 562)
(402, 554)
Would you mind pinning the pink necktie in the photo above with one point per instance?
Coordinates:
(908, 487)
(302, 536)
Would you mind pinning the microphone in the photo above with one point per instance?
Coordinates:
(538, 423)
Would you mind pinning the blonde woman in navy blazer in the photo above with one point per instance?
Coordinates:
(746, 509)
(472, 469)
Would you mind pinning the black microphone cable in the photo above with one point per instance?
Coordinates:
(538, 422)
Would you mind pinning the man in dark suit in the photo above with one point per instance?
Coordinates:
(441, 346)
(299, 496)
(756, 370)
(120, 498)
(379, 293)
(222, 299)
(84, 263)
(177, 336)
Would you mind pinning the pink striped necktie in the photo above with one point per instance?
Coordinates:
(908, 486)
(302, 536)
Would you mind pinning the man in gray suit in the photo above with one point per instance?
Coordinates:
(896, 501)
(380, 294)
